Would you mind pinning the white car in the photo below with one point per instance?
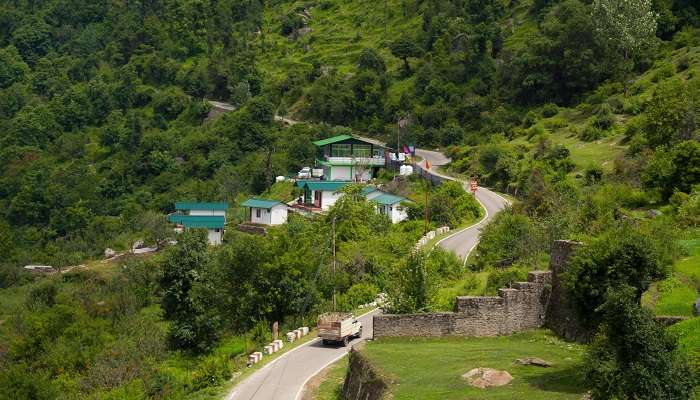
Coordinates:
(305, 173)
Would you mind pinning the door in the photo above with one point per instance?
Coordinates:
(317, 198)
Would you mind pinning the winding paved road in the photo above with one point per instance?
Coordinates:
(463, 242)
(285, 377)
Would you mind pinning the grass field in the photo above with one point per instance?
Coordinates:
(437, 365)
(676, 294)
(328, 384)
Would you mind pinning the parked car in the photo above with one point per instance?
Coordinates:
(305, 173)
(338, 327)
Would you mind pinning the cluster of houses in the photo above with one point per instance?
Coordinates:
(341, 160)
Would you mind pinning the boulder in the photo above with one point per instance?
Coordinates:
(653, 213)
(696, 307)
(538, 362)
(487, 377)
(137, 244)
(109, 253)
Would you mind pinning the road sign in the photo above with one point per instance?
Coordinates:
(473, 185)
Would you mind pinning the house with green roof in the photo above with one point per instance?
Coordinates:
(390, 205)
(321, 195)
(198, 215)
(266, 212)
(350, 158)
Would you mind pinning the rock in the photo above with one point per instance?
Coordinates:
(109, 253)
(653, 213)
(137, 244)
(696, 307)
(487, 377)
(538, 362)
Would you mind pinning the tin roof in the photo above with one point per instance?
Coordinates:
(193, 205)
(388, 199)
(261, 203)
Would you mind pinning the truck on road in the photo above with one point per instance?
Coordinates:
(338, 327)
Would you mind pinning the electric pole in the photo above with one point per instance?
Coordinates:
(334, 262)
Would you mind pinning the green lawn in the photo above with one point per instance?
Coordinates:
(328, 384)
(436, 366)
(676, 294)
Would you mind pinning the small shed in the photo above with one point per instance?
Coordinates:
(390, 205)
(198, 215)
(266, 212)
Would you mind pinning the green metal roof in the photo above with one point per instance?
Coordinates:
(388, 199)
(261, 203)
(333, 139)
(191, 205)
(325, 186)
(198, 221)
(368, 189)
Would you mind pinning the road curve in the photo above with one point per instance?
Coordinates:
(285, 377)
(463, 241)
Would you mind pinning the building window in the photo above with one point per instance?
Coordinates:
(217, 230)
(362, 150)
(340, 150)
(257, 213)
(378, 152)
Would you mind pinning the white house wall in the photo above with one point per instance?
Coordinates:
(340, 173)
(215, 237)
(398, 214)
(278, 215)
(264, 216)
(329, 198)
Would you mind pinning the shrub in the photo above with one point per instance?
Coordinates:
(593, 174)
(623, 256)
(549, 110)
(529, 119)
(43, 294)
(633, 357)
(591, 133)
(212, 371)
(503, 279)
(360, 293)
(604, 118)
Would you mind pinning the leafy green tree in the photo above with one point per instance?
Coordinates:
(187, 293)
(12, 68)
(633, 357)
(626, 26)
(677, 169)
(156, 228)
(405, 48)
(620, 257)
(371, 59)
(412, 288)
(669, 115)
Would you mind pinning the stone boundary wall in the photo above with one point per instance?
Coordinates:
(519, 308)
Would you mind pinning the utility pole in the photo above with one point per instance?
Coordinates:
(425, 209)
(334, 263)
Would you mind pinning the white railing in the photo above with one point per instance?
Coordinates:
(357, 160)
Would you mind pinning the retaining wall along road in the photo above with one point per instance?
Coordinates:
(516, 309)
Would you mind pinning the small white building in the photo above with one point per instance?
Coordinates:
(209, 216)
(266, 212)
(322, 194)
(389, 205)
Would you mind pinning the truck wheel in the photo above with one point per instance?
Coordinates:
(345, 341)
(325, 342)
(359, 334)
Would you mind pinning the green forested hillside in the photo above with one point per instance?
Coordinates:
(586, 112)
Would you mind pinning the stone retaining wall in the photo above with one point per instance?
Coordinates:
(519, 308)
(363, 381)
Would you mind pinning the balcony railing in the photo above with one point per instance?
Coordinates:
(374, 161)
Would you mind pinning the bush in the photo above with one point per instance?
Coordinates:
(549, 110)
(503, 279)
(358, 294)
(591, 133)
(43, 294)
(593, 174)
(604, 118)
(212, 371)
(623, 256)
(633, 357)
